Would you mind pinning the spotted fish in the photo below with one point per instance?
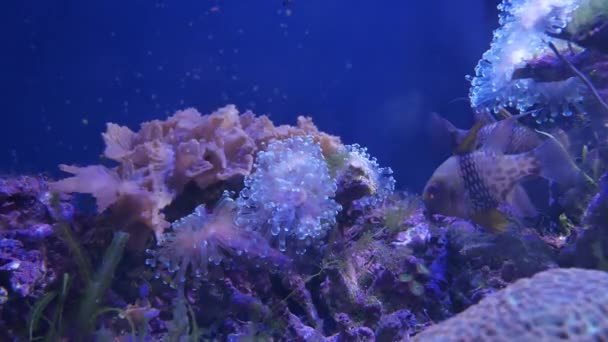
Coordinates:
(473, 183)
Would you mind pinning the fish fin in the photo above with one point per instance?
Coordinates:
(469, 142)
(491, 219)
(485, 116)
(562, 137)
(444, 127)
(520, 202)
(504, 112)
(555, 162)
(501, 136)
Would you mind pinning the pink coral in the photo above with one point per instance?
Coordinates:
(200, 148)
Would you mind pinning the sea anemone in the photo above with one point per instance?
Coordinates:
(203, 238)
(289, 194)
(527, 28)
(379, 179)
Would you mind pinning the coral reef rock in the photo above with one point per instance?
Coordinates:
(558, 304)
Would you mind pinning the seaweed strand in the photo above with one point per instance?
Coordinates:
(580, 75)
(98, 286)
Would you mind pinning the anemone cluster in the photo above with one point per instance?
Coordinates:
(527, 28)
(379, 179)
(290, 193)
(194, 241)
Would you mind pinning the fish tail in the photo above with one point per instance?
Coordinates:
(556, 164)
(520, 202)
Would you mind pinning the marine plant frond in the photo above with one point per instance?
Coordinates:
(100, 283)
(580, 75)
(37, 312)
(80, 256)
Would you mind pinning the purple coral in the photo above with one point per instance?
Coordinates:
(290, 193)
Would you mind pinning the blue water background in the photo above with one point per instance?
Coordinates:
(368, 71)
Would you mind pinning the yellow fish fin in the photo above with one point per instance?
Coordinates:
(468, 143)
(504, 113)
(492, 219)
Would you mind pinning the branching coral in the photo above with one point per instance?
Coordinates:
(524, 35)
(290, 193)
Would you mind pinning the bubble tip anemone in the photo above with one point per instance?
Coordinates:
(289, 196)
(524, 35)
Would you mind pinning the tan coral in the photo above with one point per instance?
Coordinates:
(109, 189)
(119, 141)
(219, 151)
(104, 184)
(262, 131)
(330, 144)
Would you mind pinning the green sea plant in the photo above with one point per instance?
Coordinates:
(80, 257)
(95, 288)
(183, 326)
(55, 323)
(99, 284)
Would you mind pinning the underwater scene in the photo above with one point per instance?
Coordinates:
(304, 170)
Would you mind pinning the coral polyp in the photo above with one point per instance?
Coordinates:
(290, 193)
(196, 240)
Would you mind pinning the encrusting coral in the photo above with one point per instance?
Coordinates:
(159, 161)
(558, 304)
